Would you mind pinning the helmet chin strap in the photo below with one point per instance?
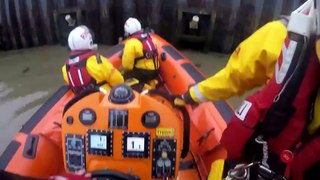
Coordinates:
(126, 34)
(94, 47)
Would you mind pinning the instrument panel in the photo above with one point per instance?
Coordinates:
(142, 136)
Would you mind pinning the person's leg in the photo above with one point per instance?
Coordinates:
(148, 75)
(135, 74)
(143, 76)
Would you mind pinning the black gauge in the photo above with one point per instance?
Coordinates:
(135, 144)
(118, 119)
(163, 158)
(70, 120)
(99, 142)
(150, 119)
(121, 94)
(87, 116)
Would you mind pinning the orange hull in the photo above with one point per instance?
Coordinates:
(36, 151)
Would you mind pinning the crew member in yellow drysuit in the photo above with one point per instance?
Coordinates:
(85, 68)
(250, 65)
(140, 54)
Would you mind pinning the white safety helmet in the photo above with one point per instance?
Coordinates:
(132, 26)
(305, 20)
(81, 38)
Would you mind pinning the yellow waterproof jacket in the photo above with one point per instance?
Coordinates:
(133, 49)
(252, 64)
(100, 72)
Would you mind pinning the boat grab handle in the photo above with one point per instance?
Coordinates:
(30, 147)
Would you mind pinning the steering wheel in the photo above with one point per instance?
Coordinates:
(186, 118)
(113, 175)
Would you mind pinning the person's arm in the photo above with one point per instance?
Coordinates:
(104, 71)
(250, 65)
(129, 55)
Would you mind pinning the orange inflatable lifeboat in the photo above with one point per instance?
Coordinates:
(123, 134)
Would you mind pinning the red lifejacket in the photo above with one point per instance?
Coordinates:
(250, 116)
(78, 76)
(305, 159)
(150, 50)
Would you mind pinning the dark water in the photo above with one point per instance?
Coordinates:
(28, 77)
